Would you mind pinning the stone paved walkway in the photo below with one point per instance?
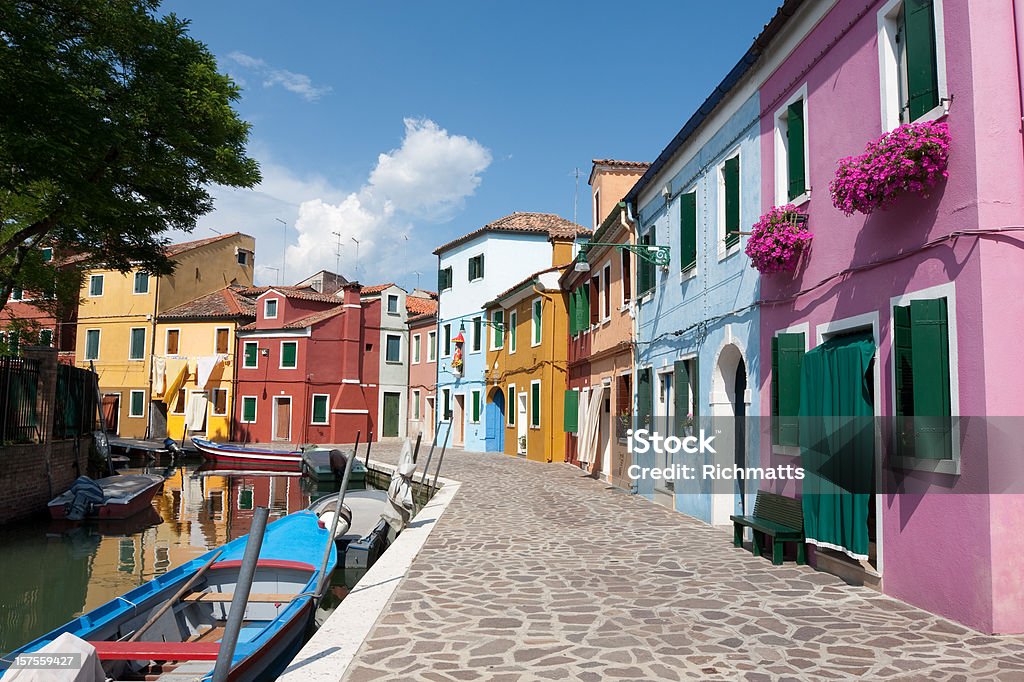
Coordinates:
(538, 572)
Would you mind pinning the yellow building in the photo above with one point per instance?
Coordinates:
(194, 364)
(526, 365)
(118, 314)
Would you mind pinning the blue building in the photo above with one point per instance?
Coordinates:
(473, 270)
(697, 323)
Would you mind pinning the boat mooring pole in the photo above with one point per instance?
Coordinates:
(321, 583)
(416, 450)
(440, 458)
(241, 599)
(369, 442)
(430, 456)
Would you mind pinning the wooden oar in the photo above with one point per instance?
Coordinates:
(177, 595)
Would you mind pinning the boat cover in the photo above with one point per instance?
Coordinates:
(399, 510)
(85, 492)
(89, 669)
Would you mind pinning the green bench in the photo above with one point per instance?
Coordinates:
(775, 516)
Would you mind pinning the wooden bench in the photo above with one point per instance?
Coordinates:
(157, 651)
(776, 516)
(226, 597)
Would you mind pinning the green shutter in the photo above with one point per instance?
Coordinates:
(250, 354)
(319, 408)
(795, 136)
(583, 308)
(499, 329)
(790, 357)
(534, 404)
(137, 403)
(476, 406)
(572, 408)
(644, 398)
(248, 409)
(681, 397)
(512, 322)
(904, 376)
(922, 73)
(511, 406)
(929, 338)
(538, 319)
(775, 390)
(688, 230)
(138, 350)
(732, 201)
(288, 351)
(572, 314)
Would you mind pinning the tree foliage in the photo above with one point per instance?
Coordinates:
(115, 124)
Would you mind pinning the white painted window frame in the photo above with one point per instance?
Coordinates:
(142, 414)
(782, 151)
(723, 252)
(312, 410)
(103, 284)
(131, 334)
(387, 337)
(245, 345)
(280, 359)
(540, 411)
(537, 322)
(416, 349)
(889, 66)
(255, 410)
(266, 305)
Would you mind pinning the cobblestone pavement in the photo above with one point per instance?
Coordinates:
(536, 571)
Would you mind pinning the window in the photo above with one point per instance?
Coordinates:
(320, 411)
(248, 409)
(536, 322)
(96, 285)
(510, 406)
(597, 209)
(645, 268)
(923, 380)
(289, 354)
(606, 294)
(431, 346)
(911, 48)
(270, 308)
(415, 349)
(393, 348)
(220, 402)
(47, 254)
(513, 319)
(571, 414)
(623, 405)
(245, 502)
(178, 407)
(447, 341)
(141, 283)
(498, 330)
(444, 279)
(392, 304)
(250, 354)
(791, 156)
(684, 394)
(220, 340)
(92, 344)
(477, 406)
(416, 404)
(478, 333)
(171, 340)
(595, 300)
(17, 294)
(13, 342)
(446, 394)
(535, 404)
(729, 203)
(242, 257)
(688, 231)
(137, 344)
(45, 337)
(579, 309)
(644, 398)
(476, 268)
(136, 403)
(787, 359)
(627, 276)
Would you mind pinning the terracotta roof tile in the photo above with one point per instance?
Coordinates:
(420, 306)
(300, 293)
(375, 289)
(224, 303)
(310, 320)
(616, 163)
(519, 285)
(555, 226)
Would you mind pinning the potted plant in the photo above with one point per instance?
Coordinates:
(777, 240)
(522, 443)
(912, 158)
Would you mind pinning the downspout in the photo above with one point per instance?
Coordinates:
(551, 384)
(630, 222)
(152, 350)
(1018, 33)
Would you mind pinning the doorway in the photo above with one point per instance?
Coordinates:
(428, 423)
(729, 398)
(111, 412)
(392, 402)
(496, 421)
(458, 421)
(739, 408)
(282, 418)
(521, 424)
(604, 440)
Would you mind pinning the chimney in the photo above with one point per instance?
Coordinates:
(351, 410)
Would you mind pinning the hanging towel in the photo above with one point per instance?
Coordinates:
(204, 368)
(171, 392)
(195, 414)
(159, 375)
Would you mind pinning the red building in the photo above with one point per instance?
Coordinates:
(31, 318)
(308, 369)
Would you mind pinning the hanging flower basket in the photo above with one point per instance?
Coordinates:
(778, 239)
(911, 158)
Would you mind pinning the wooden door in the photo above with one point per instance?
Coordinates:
(391, 405)
(282, 418)
(111, 411)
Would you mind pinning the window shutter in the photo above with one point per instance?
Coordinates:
(572, 408)
(572, 314)
(790, 360)
(922, 73)
(681, 386)
(440, 280)
(248, 409)
(480, 266)
(795, 136)
(583, 308)
(929, 338)
(775, 390)
(644, 398)
(288, 354)
(732, 201)
(250, 354)
(535, 405)
(688, 230)
(319, 409)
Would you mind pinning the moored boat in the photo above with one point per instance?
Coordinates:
(230, 453)
(113, 497)
(183, 641)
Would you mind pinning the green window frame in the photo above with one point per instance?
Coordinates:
(477, 404)
(45, 337)
(478, 333)
(289, 354)
(644, 398)
(248, 409)
(537, 320)
(571, 309)
(787, 359)
(796, 170)
(92, 344)
(476, 267)
(447, 404)
(319, 409)
(141, 284)
(250, 355)
(393, 348)
(444, 279)
(685, 382)
(510, 405)
(245, 499)
(731, 191)
(136, 403)
(645, 278)
(571, 416)
(535, 404)
(137, 344)
(688, 231)
(513, 319)
(498, 330)
(922, 376)
(918, 43)
(447, 340)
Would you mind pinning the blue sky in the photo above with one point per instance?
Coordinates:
(481, 109)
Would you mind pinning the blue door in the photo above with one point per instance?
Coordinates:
(496, 423)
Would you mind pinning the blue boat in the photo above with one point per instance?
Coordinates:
(183, 642)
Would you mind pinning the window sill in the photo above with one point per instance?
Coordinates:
(688, 274)
(728, 253)
(319, 423)
(136, 359)
(934, 466)
(799, 201)
(646, 297)
(392, 362)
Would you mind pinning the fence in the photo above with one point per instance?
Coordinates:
(75, 402)
(19, 405)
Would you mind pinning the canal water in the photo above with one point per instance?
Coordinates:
(52, 571)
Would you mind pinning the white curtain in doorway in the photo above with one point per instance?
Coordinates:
(590, 429)
(195, 413)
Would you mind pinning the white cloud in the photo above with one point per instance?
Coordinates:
(425, 180)
(298, 83)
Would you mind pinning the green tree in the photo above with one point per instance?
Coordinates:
(115, 123)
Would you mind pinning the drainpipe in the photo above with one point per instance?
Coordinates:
(1018, 32)
(630, 221)
(152, 350)
(551, 384)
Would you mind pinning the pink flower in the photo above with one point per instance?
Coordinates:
(777, 240)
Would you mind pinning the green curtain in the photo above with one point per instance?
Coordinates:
(837, 446)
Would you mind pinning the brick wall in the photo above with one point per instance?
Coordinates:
(25, 486)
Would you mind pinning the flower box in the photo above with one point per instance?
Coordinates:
(778, 239)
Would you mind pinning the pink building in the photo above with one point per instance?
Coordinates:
(422, 308)
(914, 310)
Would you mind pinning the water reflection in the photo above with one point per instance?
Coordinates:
(53, 571)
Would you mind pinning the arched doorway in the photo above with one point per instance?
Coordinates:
(729, 405)
(495, 416)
